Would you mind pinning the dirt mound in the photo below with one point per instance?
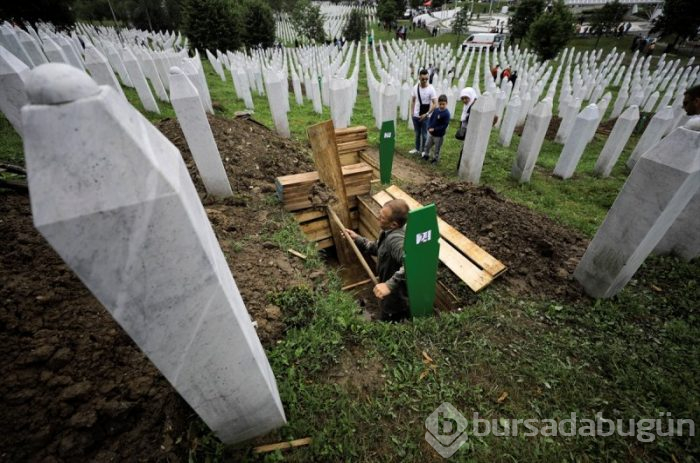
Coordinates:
(540, 254)
(75, 387)
(253, 155)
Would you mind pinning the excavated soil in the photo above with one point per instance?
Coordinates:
(540, 254)
(75, 387)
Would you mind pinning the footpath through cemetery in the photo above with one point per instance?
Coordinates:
(254, 255)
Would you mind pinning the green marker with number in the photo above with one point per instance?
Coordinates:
(421, 248)
(387, 141)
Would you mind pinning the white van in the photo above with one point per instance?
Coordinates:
(489, 40)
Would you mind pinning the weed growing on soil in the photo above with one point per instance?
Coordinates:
(289, 236)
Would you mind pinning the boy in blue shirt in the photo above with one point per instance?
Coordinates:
(439, 120)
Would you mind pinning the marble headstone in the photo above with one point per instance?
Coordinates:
(147, 252)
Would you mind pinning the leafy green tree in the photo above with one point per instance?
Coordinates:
(607, 18)
(389, 10)
(308, 22)
(680, 18)
(258, 24)
(212, 24)
(59, 12)
(551, 31)
(460, 25)
(356, 27)
(525, 14)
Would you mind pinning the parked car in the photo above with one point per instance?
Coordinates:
(489, 40)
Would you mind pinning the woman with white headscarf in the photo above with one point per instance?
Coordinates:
(468, 96)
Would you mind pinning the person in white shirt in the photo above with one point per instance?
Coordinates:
(423, 102)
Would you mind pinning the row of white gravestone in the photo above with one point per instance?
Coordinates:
(147, 252)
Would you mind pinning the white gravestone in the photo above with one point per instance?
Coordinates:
(530, 145)
(100, 70)
(477, 139)
(193, 120)
(616, 141)
(53, 51)
(509, 120)
(147, 252)
(13, 76)
(278, 99)
(683, 238)
(657, 191)
(567, 122)
(32, 47)
(583, 127)
(139, 80)
(655, 130)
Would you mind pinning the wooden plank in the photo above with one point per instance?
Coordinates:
(349, 158)
(306, 204)
(356, 145)
(364, 157)
(320, 229)
(382, 197)
(349, 130)
(465, 269)
(312, 177)
(344, 138)
(282, 445)
(323, 244)
(475, 253)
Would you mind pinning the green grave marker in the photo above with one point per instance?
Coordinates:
(421, 249)
(387, 141)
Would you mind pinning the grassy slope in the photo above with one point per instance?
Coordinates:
(629, 357)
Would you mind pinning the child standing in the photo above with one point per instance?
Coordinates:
(439, 121)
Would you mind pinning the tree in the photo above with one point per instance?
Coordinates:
(461, 23)
(258, 24)
(355, 28)
(308, 22)
(389, 10)
(680, 17)
(551, 31)
(525, 14)
(212, 24)
(607, 18)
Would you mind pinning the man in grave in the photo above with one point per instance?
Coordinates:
(391, 291)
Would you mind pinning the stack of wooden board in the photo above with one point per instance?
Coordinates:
(295, 192)
(351, 143)
(472, 264)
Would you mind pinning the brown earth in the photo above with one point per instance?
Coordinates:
(540, 254)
